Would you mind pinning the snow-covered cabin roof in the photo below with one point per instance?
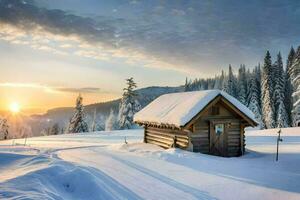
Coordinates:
(177, 109)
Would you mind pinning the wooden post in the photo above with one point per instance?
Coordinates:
(278, 140)
(174, 141)
(145, 140)
(242, 127)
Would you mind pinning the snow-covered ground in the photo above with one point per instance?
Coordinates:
(101, 166)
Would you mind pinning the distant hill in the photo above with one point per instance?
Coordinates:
(63, 115)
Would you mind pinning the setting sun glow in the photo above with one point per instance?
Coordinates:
(14, 107)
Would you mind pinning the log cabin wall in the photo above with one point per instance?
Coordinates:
(234, 139)
(197, 136)
(165, 137)
(200, 138)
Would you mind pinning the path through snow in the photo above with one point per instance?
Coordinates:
(101, 166)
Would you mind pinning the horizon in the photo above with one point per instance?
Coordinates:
(50, 51)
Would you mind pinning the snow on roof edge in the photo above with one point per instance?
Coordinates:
(177, 109)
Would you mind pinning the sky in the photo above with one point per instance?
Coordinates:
(51, 50)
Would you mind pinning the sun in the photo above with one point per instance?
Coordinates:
(14, 107)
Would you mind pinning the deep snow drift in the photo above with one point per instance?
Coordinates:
(101, 166)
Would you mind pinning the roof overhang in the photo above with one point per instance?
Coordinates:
(217, 99)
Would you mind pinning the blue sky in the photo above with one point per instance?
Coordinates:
(55, 49)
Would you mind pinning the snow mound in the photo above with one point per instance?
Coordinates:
(179, 108)
(63, 180)
(139, 147)
(142, 149)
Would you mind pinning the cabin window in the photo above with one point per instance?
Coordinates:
(215, 110)
(219, 129)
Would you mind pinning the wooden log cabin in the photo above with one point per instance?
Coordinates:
(210, 122)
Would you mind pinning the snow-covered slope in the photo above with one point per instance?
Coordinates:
(101, 166)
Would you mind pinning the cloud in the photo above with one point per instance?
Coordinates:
(105, 38)
(178, 12)
(24, 14)
(185, 36)
(80, 90)
(52, 89)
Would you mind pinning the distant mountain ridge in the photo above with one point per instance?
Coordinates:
(145, 96)
(62, 115)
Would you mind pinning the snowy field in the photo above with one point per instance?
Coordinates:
(102, 166)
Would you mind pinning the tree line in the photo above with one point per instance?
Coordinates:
(128, 107)
(78, 123)
(270, 91)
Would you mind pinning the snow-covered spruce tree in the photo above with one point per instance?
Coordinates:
(248, 82)
(295, 69)
(210, 83)
(94, 121)
(276, 76)
(278, 94)
(99, 124)
(4, 128)
(186, 85)
(281, 118)
(129, 105)
(254, 96)
(268, 116)
(111, 121)
(242, 85)
(288, 101)
(258, 82)
(55, 130)
(295, 76)
(45, 131)
(219, 81)
(224, 82)
(230, 85)
(77, 123)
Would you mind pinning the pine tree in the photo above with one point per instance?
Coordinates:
(55, 130)
(110, 123)
(254, 97)
(219, 81)
(242, 85)
(187, 85)
(295, 76)
(223, 81)
(94, 121)
(230, 85)
(295, 70)
(266, 89)
(45, 131)
(98, 122)
(281, 119)
(248, 77)
(4, 128)
(78, 123)
(129, 105)
(258, 78)
(278, 94)
(288, 101)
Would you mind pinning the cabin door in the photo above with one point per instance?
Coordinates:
(218, 136)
